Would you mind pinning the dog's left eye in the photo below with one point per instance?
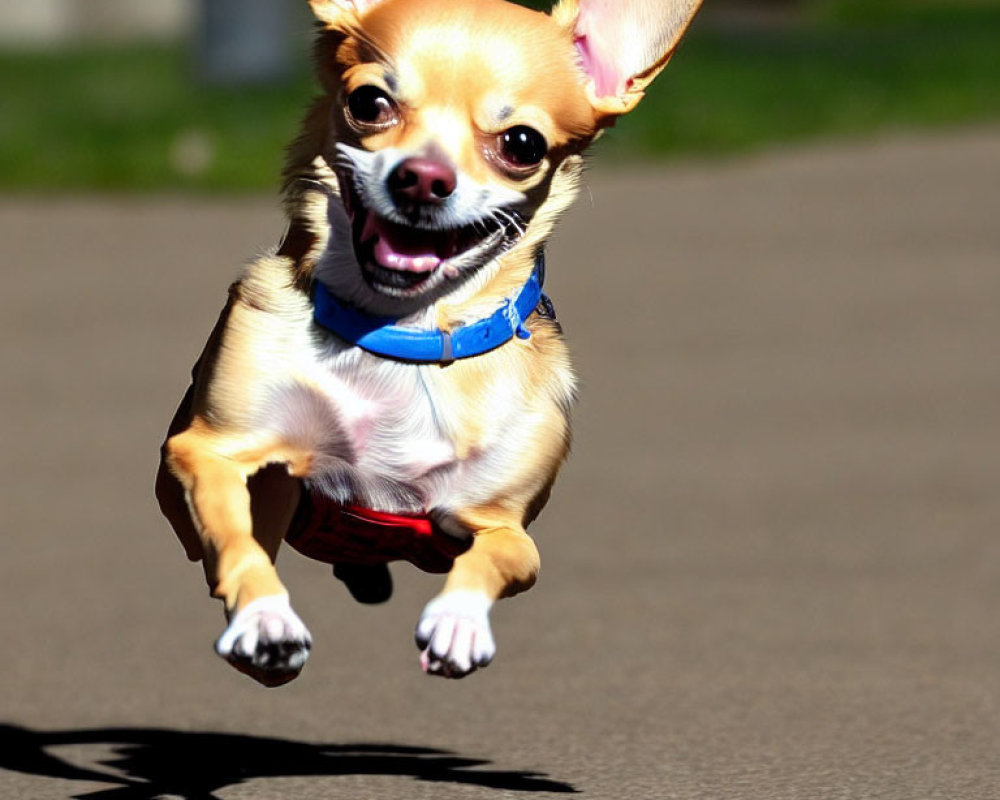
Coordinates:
(369, 105)
(522, 147)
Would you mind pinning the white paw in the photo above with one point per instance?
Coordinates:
(454, 634)
(266, 640)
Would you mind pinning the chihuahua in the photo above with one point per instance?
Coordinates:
(391, 383)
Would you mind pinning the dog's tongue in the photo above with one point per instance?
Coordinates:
(401, 248)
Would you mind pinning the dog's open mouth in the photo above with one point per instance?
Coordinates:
(403, 259)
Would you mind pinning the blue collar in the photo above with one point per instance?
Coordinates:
(380, 335)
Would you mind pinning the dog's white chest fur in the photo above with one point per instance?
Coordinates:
(375, 432)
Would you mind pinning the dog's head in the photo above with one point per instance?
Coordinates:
(455, 127)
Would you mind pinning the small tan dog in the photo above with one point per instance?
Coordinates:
(391, 383)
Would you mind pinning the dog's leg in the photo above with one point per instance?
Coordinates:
(454, 631)
(170, 492)
(240, 538)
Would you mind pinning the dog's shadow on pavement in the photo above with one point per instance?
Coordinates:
(150, 763)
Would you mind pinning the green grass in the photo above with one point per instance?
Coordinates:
(135, 119)
(114, 119)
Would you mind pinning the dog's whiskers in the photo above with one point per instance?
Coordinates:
(509, 219)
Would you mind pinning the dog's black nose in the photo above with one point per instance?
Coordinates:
(422, 180)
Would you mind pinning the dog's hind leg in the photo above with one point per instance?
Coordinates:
(454, 631)
(240, 528)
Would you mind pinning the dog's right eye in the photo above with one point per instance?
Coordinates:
(522, 147)
(370, 106)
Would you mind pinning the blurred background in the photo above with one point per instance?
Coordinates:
(203, 94)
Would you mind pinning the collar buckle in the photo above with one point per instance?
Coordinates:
(447, 354)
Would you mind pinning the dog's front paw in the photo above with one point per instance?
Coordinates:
(454, 634)
(266, 640)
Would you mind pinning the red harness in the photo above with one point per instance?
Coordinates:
(337, 534)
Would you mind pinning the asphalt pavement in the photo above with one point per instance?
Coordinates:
(771, 569)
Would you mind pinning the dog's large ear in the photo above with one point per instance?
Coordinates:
(623, 45)
(338, 14)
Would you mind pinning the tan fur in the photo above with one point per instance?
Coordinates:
(462, 79)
